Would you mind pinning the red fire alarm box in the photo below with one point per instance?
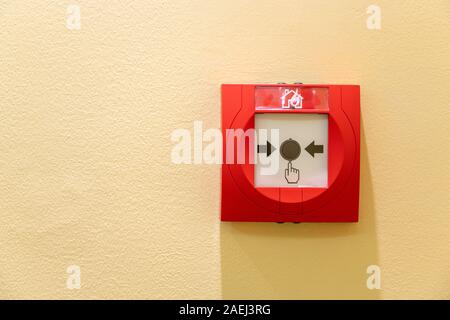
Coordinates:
(290, 153)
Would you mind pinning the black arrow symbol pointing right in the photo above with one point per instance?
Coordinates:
(268, 148)
(312, 148)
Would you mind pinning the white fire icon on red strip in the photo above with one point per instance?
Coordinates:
(291, 99)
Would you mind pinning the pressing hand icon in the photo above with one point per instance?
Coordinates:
(291, 174)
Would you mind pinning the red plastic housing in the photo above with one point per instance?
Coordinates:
(339, 202)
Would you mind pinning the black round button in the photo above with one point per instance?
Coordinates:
(290, 150)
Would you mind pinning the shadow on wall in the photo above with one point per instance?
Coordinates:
(302, 261)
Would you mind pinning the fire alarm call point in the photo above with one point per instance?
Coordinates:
(291, 153)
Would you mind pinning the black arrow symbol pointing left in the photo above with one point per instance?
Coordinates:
(268, 148)
(312, 148)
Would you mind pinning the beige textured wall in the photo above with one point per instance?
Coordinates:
(85, 171)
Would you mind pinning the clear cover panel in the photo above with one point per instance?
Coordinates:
(292, 150)
(269, 98)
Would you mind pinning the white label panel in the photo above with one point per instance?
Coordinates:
(302, 150)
